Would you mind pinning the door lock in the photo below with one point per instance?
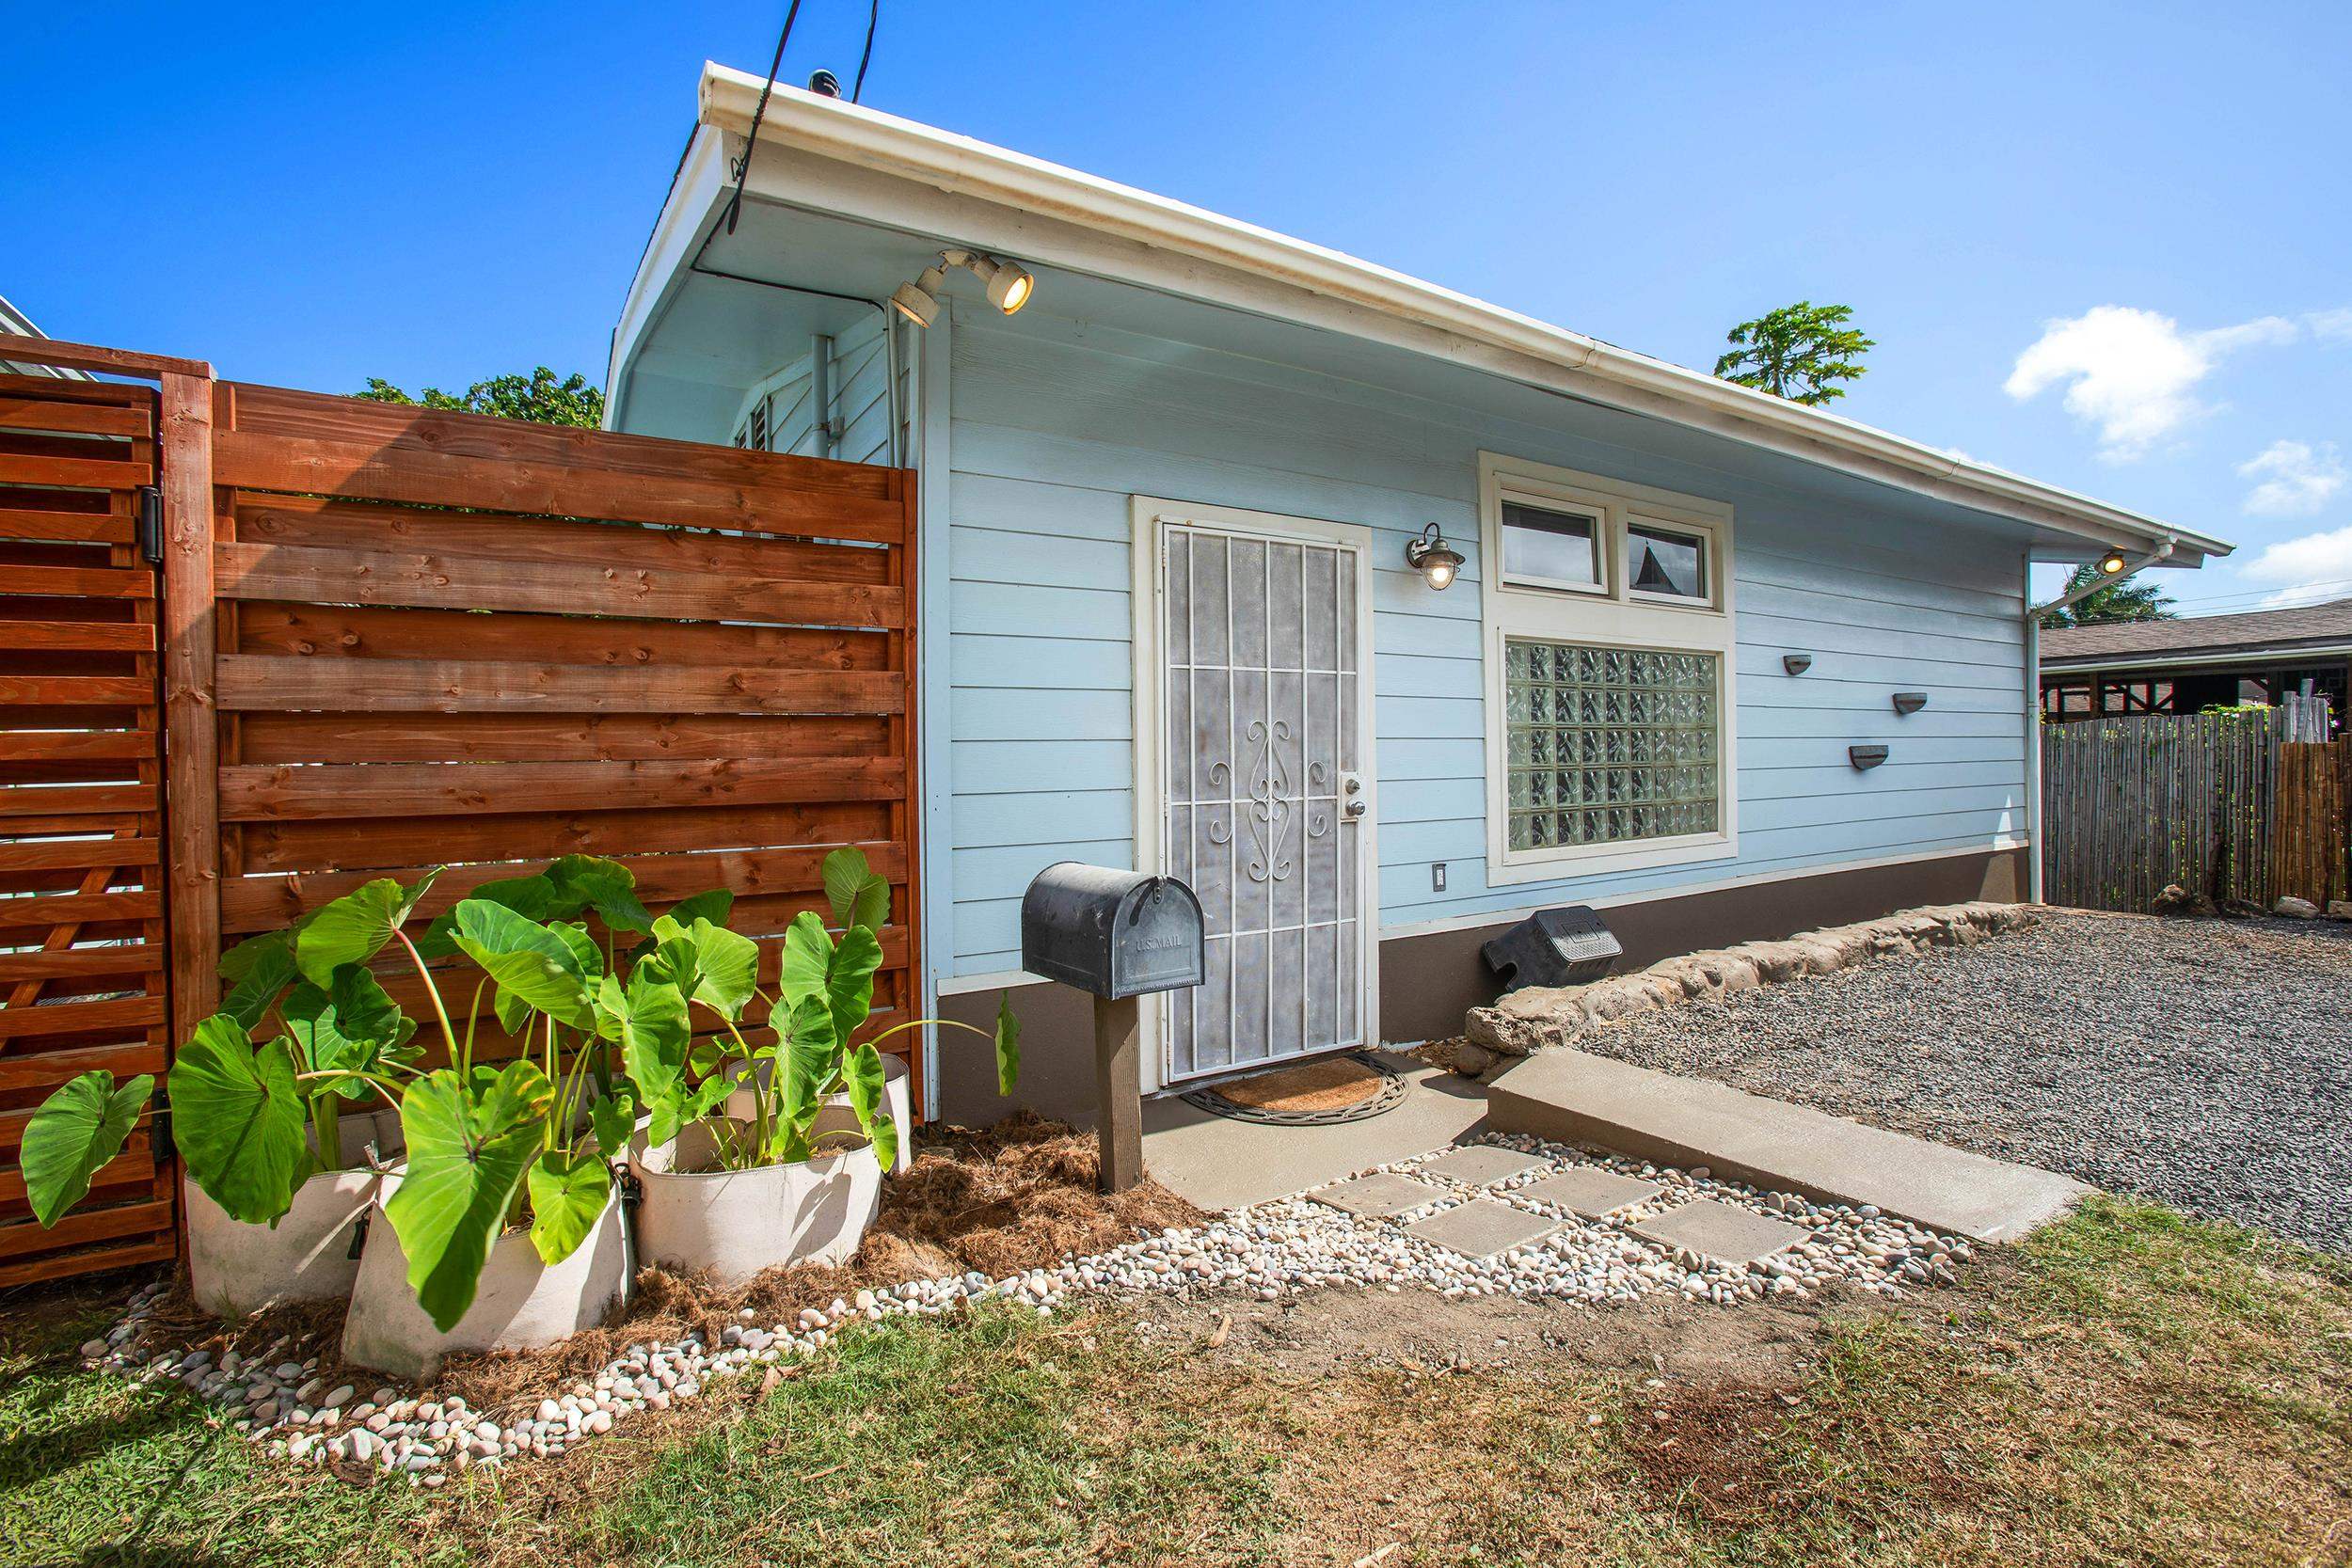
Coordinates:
(1353, 787)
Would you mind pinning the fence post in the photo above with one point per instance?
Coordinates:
(191, 732)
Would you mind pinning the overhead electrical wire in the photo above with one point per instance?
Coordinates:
(743, 164)
(873, 17)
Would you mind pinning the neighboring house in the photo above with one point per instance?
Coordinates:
(1167, 620)
(15, 323)
(2188, 665)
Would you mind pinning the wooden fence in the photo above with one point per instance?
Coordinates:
(2221, 804)
(82, 954)
(397, 638)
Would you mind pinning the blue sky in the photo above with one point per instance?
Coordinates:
(2107, 245)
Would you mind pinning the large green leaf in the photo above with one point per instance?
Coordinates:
(355, 927)
(239, 1120)
(568, 1192)
(1008, 1044)
(258, 969)
(72, 1137)
(534, 967)
(712, 904)
(861, 1075)
(807, 959)
(585, 953)
(352, 1026)
(843, 972)
(858, 895)
(534, 898)
(606, 886)
(648, 1019)
(811, 1054)
(726, 966)
(469, 1144)
(614, 1119)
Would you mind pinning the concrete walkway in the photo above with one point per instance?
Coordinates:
(1573, 1097)
(1220, 1163)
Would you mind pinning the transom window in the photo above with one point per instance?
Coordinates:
(1607, 652)
(1548, 546)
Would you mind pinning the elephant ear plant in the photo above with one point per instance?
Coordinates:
(825, 990)
(252, 1121)
(487, 1146)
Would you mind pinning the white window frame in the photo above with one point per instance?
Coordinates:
(1610, 616)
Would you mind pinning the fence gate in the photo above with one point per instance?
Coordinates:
(82, 958)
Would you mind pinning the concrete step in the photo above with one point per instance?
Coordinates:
(1570, 1096)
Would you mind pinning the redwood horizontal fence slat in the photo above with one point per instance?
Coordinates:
(82, 950)
(271, 683)
(2221, 804)
(444, 639)
(386, 639)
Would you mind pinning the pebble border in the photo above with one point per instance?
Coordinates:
(280, 1398)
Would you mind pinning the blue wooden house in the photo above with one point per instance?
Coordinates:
(1380, 615)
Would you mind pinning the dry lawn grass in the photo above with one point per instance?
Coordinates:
(2129, 1387)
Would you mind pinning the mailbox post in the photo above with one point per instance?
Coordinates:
(1118, 935)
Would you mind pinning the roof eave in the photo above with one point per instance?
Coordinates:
(941, 160)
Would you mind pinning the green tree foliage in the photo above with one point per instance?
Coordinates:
(538, 396)
(1799, 351)
(2132, 599)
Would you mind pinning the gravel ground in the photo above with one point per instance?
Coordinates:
(2206, 1063)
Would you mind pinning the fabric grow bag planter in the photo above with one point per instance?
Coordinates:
(236, 1270)
(522, 1304)
(735, 1223)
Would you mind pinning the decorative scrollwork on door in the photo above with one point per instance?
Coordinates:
(1271, 807)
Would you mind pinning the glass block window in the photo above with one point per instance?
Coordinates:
(1609, 745)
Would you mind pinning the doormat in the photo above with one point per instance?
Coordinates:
(1313, 1094)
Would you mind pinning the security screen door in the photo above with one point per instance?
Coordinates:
(1267, 812)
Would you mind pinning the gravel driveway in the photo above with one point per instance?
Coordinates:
(2207, 1063)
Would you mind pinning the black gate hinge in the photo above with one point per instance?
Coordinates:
(150, 524)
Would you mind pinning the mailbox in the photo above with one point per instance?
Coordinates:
(1566, 946)
(1113, 933)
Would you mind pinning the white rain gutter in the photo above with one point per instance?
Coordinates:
(866, 138)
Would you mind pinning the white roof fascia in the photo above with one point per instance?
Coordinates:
(1165, 244)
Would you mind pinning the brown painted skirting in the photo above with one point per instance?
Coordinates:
(1428, 982)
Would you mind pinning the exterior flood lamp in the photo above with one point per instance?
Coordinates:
(1009, 284)
(1433, 558)
(2110, 564)
(919, 301)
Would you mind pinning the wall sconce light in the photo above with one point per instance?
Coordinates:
(1009, 285)
(2110, 564)
(1796, 664)
(1908, 703)
(1433, 558)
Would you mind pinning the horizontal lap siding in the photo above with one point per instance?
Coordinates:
(1050, 439)
(700, 666)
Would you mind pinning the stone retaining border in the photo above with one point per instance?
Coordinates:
(1525, 1021)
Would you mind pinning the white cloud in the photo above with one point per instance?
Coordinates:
(2331, 323)
(2297, 478)
(2313, 568)
(2132, 372)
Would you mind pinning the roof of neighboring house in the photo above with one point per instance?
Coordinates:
(16, 323)
(2307, 628)
(1137, 236)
